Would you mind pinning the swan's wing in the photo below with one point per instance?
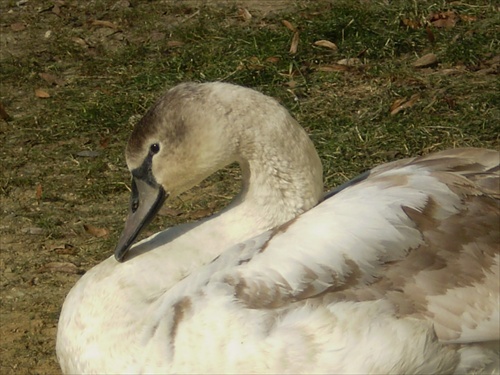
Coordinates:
(477, 163)
(423, 234)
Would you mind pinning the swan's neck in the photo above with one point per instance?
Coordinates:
(282, 173)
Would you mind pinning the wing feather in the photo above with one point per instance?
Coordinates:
(423, 235)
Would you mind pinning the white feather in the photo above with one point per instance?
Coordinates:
(368, 281)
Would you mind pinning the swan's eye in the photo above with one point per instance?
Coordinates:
(154, 148)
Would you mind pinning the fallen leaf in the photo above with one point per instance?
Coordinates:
(175, 43)
(353, 61)
(467, 18)
(413, 99)
(95, 231)
(333, 68)
(3, 113)
(446, 19)
(88, 154)
(402, 103)
(65, 267)
(64, 249)
(32, 230)
(18, 26)
(451, 71)
(430, 34)
(38, 192)
(412, 24)
(244, 14)
(56, 9)
(167, 211)
(121, 4)
(288, 25)
(80, 41)
(39, 93)
(397, 103)
(295, 43)
(426, 61)
(52, 79)
(495, 69)
(326, 44)
(199, 214)
(102, 23)
(104, 142)
(273, 59)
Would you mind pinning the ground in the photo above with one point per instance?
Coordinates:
(76, 75)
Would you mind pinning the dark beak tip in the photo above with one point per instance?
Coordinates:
(119, 257)
(150, 199)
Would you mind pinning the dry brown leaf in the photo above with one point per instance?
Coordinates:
(3, 113)
(104, 142)
(397, 104)
(288, 25)
(52, 79)
(273, 59)
(18, 26)
(467, 18)
(65, 267)
(175, 43)
(80, 41)
(244, 14)
(402, 103)
(102, 23)
(199, 214)
(95, 231)
(326, 44)
(64, 249)
(333, 68)
(32, 230)
(430, 34)
(56, 9)
(426, 61)
(295, 43)
(88, 154)
(167, 211)
(38, 193)
(412, 24)
(42, 94)
(495, 69)
(121, 4)
(353, 61)
(413, 99)
(446, 19)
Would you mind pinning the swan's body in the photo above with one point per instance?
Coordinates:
(396, 272)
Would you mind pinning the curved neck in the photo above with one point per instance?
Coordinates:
(282, 175)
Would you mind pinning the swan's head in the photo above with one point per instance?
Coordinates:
(180, 141)
(194, 130)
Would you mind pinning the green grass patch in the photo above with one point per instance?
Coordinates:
(114, 73)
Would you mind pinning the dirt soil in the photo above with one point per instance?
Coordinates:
(49, 236)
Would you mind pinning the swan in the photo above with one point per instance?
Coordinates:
(395, 271)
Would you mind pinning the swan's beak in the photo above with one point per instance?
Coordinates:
(145, 202)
